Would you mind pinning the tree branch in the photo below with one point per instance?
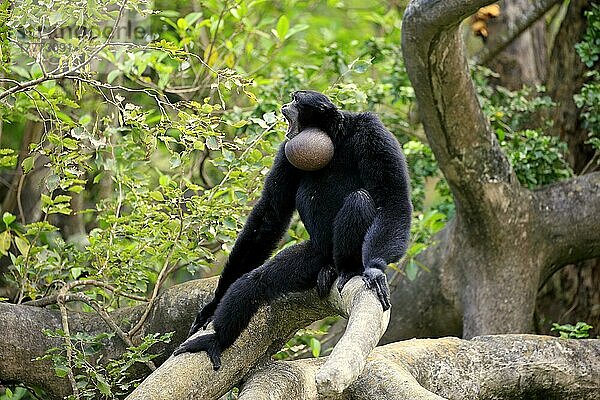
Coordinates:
(503, 366)
(190, 376)
(366, 324)
(498, 42)
(477, 171)
(22, 340)
(568, 220)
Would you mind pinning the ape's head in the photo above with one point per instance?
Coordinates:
(310, 109)
(313, 122)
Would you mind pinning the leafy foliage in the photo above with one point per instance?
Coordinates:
(536, 158)
(577, 331)
(95, 378)
(589, 48)
(588, 99)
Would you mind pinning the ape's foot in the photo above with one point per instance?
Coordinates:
(203, 317)
(376, 280)
(344, 277)
(206, 343)
(325, 280)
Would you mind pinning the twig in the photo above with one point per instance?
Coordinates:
(54, 76)
(250, 147)
(159, 280)
(45, 301)
(108, 320)
(68, 343)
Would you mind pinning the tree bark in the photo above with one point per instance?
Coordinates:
(197, 380)
(492, 258)
(565, 79)
(23, 341)
(486, 367)
(523, 61)
(516, 19)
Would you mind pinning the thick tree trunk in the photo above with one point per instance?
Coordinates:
(564, 78)
(493, 257)
(524, 60)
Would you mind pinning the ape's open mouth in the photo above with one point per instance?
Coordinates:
(291, 116)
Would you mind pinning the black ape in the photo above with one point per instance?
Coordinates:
(356, 209)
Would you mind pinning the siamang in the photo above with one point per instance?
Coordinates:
(356, 209)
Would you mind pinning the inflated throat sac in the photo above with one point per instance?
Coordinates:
(310, 150)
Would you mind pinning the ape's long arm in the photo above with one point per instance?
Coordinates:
(384, 173)
(264, 228)
(266, 223)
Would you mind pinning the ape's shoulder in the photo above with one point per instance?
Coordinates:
(365, 124)
(368, 132)
(358, 119)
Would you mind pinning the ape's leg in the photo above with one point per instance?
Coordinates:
(349, 229)
(292, 270)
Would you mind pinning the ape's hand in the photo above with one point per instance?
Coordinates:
(205, 315)
(205, 342)
(376, 280)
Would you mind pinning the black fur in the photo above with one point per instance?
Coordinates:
(357, 211)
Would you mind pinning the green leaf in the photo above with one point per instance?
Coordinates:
(163, 180)
(411, 270)
(182, 24)
(156, 195)
(238, 124)
(76, 189)
(8, 218)
(22, 245)
(175, 161)
(85, 119)
(98, 177)
(5, 239)
(103, 386)
(361, 66)
(112, 75)
(62, 198)
(315, 346)
(283, 26)
(295, 29)
(270, 118)
(27, 164)
(212, 143)
(192, 18)
(76, 272)
(61, 371)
